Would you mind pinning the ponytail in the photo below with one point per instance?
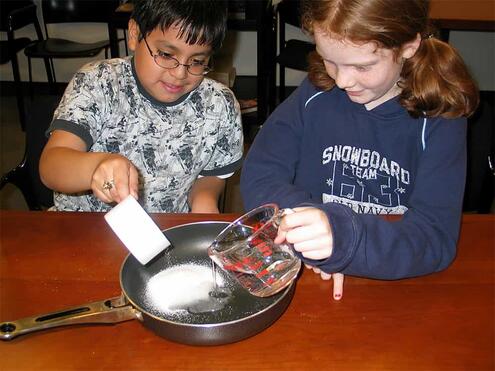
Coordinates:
(436, 82)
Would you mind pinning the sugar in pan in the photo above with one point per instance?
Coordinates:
(187, 288)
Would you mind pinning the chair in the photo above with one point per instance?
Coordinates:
(70, 11)
(15, 15)
(480, 180)
(293, 53)
(25, 176)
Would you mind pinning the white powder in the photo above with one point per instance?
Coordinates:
(180, 287)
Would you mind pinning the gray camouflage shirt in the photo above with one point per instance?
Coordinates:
(171, 144)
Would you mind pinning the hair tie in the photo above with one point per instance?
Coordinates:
(429, 36)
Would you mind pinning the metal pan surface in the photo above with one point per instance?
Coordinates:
(243, 314)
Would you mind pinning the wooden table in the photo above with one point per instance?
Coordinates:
(445, 321)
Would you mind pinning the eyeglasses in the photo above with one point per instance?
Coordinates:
(164, 60)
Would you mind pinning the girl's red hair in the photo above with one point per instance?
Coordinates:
(435, 81)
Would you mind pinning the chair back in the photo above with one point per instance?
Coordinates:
(293, 52)
(78, 11)
(290, 12)
(9, 7)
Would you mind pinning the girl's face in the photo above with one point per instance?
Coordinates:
(166, 85)
(368, 74)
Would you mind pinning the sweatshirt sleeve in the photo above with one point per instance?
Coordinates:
(424, 240)
(269, 167)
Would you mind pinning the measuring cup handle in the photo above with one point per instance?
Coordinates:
(281, 213)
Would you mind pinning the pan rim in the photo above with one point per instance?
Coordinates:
(282, 296)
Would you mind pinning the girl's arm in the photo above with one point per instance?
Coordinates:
(270, 165)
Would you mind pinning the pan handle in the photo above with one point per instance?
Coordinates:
(112, 310)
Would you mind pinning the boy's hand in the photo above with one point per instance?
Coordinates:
(114, 179)
(338, 281)
(309, 231)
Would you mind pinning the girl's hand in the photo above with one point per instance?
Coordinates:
(338, 281)
(114, 179)
(309, 231)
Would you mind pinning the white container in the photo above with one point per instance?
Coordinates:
(136, 230)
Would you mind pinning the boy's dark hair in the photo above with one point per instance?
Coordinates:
(201, 22)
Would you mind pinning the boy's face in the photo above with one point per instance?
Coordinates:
(166, 85)
(368, 74)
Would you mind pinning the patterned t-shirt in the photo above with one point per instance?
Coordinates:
(171, 144)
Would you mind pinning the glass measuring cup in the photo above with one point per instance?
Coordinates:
(245, 248)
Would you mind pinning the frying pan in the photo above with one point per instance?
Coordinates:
(243, 315)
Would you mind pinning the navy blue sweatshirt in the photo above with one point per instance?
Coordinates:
(321, 149)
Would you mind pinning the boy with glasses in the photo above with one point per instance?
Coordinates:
(152, 125)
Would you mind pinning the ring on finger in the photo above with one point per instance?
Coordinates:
(108, 185)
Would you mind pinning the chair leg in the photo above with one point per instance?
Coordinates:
(125, 43)
(17, 78)
(31, 93)
(21, 107)
(50, 78)
(48, 70)
(20, 178)
(18, 92)
(281, 45)
(52, 68)
(53, 81)
(281, 81)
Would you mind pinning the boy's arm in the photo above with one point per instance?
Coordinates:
(205, 193)
(223, 159)
(65, 166)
